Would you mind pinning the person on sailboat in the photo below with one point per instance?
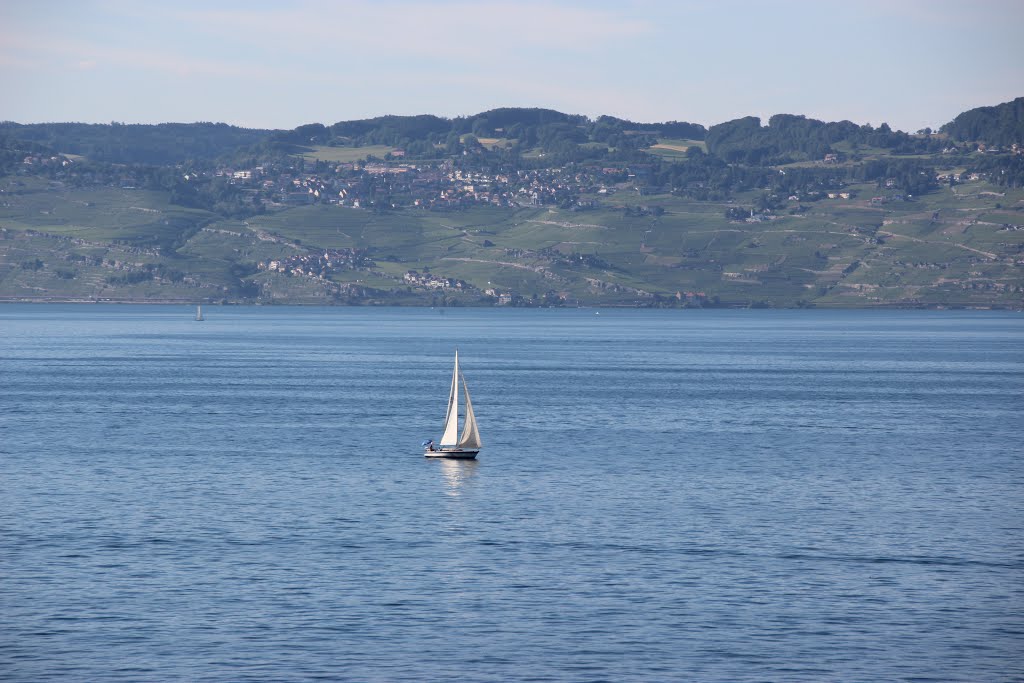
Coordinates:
(429, 443)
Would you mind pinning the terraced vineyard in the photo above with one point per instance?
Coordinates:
(960, 246)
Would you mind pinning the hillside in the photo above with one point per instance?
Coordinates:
(516, 207)
(999, 125)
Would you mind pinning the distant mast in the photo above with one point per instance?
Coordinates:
(199, 312)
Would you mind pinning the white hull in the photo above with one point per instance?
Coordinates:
(452, 453)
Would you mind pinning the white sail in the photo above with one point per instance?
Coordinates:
(470, 436)
(451, 419)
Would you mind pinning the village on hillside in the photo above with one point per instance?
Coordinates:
(795, 212)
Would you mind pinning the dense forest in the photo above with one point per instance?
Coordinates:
(999, 125)
(164, 143)
(789, 138)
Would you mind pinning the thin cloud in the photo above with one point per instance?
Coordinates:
(87, 55)
(645, 60)
(472, 31)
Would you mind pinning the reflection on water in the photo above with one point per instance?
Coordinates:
(457, 474)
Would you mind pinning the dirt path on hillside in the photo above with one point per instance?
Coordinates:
(986, 254)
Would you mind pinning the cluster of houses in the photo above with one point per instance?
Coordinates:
(318, 264)
(994, 149)
(694, 298)
(43, 161)
(958, 177)
(433, 282)
(373, 184)
(448, 184)
(983, 148)
(428, 281)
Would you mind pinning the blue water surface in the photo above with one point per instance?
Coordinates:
(662, 495)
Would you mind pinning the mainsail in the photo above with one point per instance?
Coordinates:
(451, 419)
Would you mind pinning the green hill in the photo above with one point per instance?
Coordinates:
(514, 207)
(1002, 124)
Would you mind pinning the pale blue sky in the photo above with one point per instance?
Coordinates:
(911, 63)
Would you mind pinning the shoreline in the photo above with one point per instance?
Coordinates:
(379, 304)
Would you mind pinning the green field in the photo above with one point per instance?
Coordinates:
(675, 148)
(490, 143)
(345, 154)
(102, 214)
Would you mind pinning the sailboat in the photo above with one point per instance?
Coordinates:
(453, 445)
(199, 312)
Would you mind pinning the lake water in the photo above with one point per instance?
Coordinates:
(662, 495)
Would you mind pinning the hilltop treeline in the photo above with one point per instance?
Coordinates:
(1002, 124)
(789, 138)
(164, 143)
(565, 136)
(568, 137)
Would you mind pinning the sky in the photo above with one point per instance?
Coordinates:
(281, 64)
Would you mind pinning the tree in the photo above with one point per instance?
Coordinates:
(481, 128)
(452, 144)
